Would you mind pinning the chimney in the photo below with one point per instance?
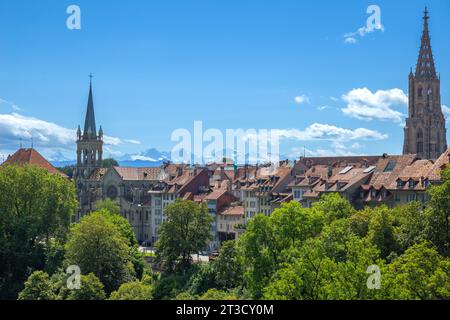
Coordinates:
(330, 171)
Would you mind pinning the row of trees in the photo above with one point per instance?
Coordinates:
(322, 252)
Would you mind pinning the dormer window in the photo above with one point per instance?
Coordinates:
(399, 184)
(412, 184)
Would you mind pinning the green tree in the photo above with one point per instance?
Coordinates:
(67, 170)
(333, 207)
(214, 294)
(413, 224)
(35, 208)
(109, 163)
(382, 231)
(133, 291)
(439, 213)
(112, 206)
(185, 232)
(38, 287)
(227, 267)
(325, 269)
(264, 246)
(91, 289)
(420, 273)
(203, 279)
(96, 245)
(109, 211)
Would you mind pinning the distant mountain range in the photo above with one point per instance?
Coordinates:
(149, 158)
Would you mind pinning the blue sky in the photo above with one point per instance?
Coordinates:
(160, 65)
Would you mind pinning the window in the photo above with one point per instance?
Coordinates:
(412, 184)
(390, 166)
(420, 92)
(420, 147)
(420, 134)
(411, 197)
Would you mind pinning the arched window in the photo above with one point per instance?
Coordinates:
(85, 156)
(420, 134)
(419, 140)
(438, 141)
(420, 92)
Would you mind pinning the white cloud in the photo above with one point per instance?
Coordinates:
(363, 104)
(10, 104)
(47, 136)
(142, 158)
(322, 108)
(336, 149)
(318, 131)
(14, 127)
(132, 141)
(334, 99)
(301, 99)
(446, 111)
(350, 38)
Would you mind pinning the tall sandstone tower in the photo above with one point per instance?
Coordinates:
(89, 151)
(425, 132)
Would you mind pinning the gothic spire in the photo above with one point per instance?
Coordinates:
(90, 130)
(425, 64)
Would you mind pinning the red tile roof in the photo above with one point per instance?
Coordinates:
(138, 174)
(31, 157)
(233, 211)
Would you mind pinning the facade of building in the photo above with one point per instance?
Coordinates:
(425, 132)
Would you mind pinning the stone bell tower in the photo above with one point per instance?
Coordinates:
(89, 145)
(425, 132)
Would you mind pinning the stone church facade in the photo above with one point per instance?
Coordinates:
(425, 132)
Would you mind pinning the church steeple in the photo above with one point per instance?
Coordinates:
(425, 131)
(89, 143)
(425, 64)
(90, 130)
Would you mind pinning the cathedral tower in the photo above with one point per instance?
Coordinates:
(425, 132)
(89, 144)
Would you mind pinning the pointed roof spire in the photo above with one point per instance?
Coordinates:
(90, 130)
(425, 64)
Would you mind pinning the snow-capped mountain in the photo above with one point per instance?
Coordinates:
(154, 158)
(148, 158)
